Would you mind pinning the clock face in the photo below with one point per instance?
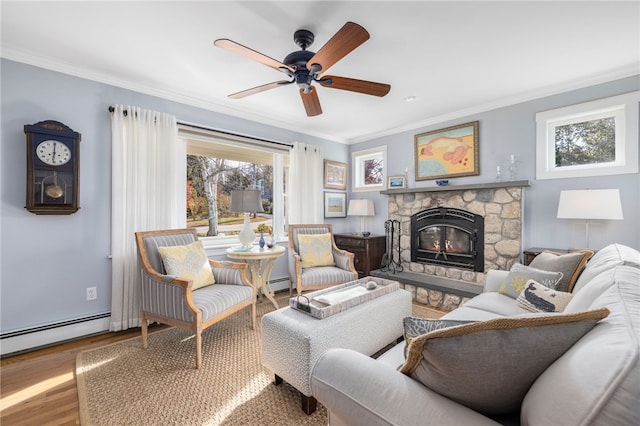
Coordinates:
(53, 153)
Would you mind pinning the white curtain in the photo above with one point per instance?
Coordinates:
(305, 184)
(145, 188)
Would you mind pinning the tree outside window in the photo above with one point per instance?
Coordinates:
(587, 142)
(209, 185)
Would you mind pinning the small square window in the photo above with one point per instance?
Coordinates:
(369, 169)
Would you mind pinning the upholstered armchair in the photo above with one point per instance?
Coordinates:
(181, 287)
(315, 261)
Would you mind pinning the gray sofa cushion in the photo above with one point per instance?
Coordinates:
(490, 365)
(570, 264)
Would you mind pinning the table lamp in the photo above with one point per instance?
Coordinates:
(246, 201)
(362, 208)
(590, 204)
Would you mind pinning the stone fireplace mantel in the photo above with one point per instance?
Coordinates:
(499, 203)
(476, 186)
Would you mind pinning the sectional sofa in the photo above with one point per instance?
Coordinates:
(493, 362)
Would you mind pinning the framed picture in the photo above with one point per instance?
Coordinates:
(448, 152)
(335, 175)
(335, 204)
(396, 182)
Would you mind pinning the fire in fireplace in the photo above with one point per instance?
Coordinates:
(448, 237)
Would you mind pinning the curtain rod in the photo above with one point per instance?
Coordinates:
(182, 123)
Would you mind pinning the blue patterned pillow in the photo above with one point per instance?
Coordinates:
(414, 327)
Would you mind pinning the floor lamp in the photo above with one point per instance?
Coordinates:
(361, 208)
(246, 201)
(590, 204)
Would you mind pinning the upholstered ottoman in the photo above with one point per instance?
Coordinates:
(292, 341)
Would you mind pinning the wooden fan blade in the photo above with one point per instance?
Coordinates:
(354, 85)
(232, 46)
(258, 89)
(311, 102)
(350, 36)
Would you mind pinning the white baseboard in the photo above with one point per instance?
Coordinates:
(35, 339)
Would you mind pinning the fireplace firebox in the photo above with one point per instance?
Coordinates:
(448, 237)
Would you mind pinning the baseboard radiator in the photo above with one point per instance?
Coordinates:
(28, 339)
(31, 338)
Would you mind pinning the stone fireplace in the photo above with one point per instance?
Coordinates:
(482, 218)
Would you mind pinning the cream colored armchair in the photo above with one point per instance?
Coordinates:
(172, 300)
(315, 261)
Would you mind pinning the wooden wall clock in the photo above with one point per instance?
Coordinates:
(53, 168)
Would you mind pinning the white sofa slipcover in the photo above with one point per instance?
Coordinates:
(596, 382)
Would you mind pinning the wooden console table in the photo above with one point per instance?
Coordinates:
(260, 263)
(368, 251)
(531, 253)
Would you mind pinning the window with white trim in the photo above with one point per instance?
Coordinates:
(369, 169)
(217, 163)
(590, 139)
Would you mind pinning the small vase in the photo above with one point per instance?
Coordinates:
(261, 242)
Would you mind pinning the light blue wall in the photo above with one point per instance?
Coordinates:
(47, 262)
(511, 130)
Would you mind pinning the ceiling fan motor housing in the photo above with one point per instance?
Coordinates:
(298, 60)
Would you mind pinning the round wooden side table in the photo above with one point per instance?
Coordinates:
(260, 263)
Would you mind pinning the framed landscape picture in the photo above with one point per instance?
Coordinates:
(396, 182)
(335, 204)
(335, 175)
(448, 152)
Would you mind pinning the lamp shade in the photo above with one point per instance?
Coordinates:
(247, 200)
(361, 208)
(590, 204)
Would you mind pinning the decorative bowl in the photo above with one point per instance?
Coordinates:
(442, 182)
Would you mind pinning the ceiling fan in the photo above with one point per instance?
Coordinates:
(305, 67)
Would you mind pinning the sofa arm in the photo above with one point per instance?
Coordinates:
(358, 390)
(495, 279)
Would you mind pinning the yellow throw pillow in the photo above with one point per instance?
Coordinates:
(315, 250)
(188, 262)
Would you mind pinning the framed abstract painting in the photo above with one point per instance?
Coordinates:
(446, 153)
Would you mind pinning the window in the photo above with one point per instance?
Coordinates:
(591, 139)
(369, 169)
(218, 163)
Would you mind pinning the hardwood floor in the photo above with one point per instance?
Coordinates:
(39, 387)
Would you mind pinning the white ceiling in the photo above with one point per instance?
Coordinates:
(456, 58)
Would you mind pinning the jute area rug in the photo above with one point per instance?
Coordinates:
(123, 384)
